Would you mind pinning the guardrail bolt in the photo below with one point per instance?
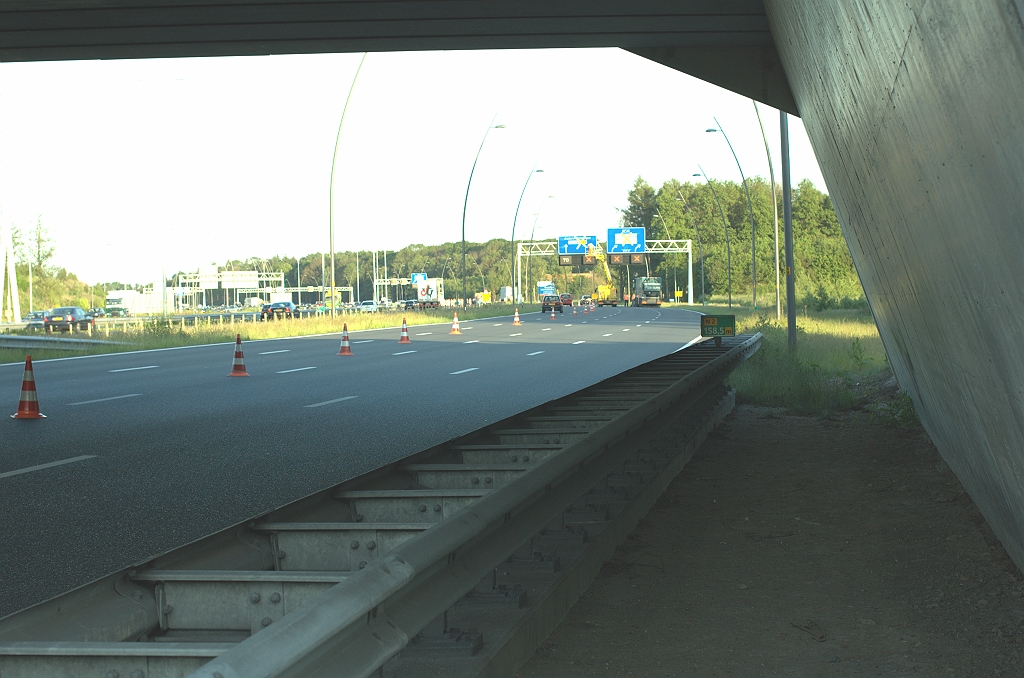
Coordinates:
(371, 544)
(281, 555)
(255, 597)
(437, 508)
(112, 674)
(275, 597)
(515, 457)
(137, 673)
(476, 481)
(526, 457)
(423, 508)
(266, 621)
(362, 564)
(487, 481)
(354, 544)
(168, 609)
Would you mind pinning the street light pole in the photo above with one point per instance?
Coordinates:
(465, 202)
(529, 258)
(514, 220)
(775, 212)
(334, 164)
(728, 249)
(700, 247)
(787, 218)
(753, 242)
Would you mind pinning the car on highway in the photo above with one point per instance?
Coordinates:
(585, 299)
(67, 319)
(408, 305)
(282, 309)
(97, 312)
(34, 320)
(566, 299)
(551, 302)
(368, 306)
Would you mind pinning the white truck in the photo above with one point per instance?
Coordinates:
(429, 292)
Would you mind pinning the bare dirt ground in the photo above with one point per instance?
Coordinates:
(799, 546)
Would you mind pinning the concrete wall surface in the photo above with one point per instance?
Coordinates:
(915, 110)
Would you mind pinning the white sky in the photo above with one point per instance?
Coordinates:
(135, 165)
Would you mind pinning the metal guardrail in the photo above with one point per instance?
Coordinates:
(408, 562)
(66, 343)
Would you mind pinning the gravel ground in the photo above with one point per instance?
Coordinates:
(800, 546)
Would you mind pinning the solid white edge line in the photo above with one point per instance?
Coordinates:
(331, 402)
(132, 369)
(468, 369)
(40, 467)
(102, 400)
(297, 369)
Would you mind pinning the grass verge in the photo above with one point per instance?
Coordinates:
(838, 364)
(164, 335)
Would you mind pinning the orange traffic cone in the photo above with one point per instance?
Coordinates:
(515, 320)
(237, 366)
(552, 312)
(586, 310)
(574, 309)
(455, 325)
(28, 404)
(345, 350)
(405, 334)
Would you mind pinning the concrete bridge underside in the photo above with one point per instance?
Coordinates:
(913, 109)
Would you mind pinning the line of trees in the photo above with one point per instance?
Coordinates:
(825, 275)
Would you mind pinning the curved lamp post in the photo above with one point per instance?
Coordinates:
(529, 260)
(753, 243)
(728, 249)
(775, 212)
(511, 273)
(465, 202)
(334, 163)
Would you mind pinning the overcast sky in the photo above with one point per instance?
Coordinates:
(135, 165)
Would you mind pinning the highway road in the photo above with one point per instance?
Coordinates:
(143, 452)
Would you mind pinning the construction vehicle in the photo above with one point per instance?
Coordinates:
(646, 291)
(605, 296)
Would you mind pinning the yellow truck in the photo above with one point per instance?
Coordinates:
(605, 296)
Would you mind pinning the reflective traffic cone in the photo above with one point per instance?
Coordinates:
(237, 366)
(405, 333)
(455, 325)
(28, 404)
(515, 320)
(586, 310)
(574, 309)
(552, 312)
(345, 350)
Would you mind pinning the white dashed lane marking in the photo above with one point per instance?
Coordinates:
(103, 400)
(283, 350)
(468, 369)
(517, 334)
(606, 335)
(331, 402)
(403, 353)
(132, 369)
(578, 342)
(40, 467)
(535, 353)
(363, 341)
(472, 341)
(297, 369)
(423, 334)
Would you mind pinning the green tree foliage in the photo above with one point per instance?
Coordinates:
(825, 275)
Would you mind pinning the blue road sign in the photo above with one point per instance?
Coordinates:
(418, 278)
(626, 240)
(577, 244)
(545, 287)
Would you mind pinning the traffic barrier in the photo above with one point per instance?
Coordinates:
(28, 404)
(515, 320)
(238, 366)
(405, 333)
(455, 325)
(345, 349)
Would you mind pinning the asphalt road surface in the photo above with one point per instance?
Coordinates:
(143, 452)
